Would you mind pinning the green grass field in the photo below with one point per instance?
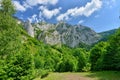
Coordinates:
(104, 75)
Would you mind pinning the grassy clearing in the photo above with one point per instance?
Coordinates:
(104, 75)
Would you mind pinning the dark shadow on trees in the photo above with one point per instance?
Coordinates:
(105, 75)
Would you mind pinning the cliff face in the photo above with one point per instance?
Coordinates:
(74, 35)
(63, 33)
(29, 28)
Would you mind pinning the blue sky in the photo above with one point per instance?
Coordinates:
(100, 15)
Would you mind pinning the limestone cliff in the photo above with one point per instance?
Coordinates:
(63, 33)
(29, 28)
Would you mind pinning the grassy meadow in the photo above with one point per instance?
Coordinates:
(102, 75)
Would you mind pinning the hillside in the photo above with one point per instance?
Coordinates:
(106, 34)
(23, 57)
(29, 51)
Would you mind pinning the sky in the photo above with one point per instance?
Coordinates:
(99, 15)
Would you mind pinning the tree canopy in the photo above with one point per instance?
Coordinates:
(7, 7)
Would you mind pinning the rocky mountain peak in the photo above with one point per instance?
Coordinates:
(63, 33)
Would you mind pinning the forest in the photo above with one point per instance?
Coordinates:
(25, 58)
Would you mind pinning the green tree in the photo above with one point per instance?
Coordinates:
(16, 61)
(112, 57)
(96, 55)
(6, 12)
(67, 64)
(81, 56)
(7, 7)
(17, 67)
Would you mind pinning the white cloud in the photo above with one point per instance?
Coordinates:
(18, 6)
(49, 13)
(109, 3)
(26, 5)
(86, 10)
(30, 3)
(81, 21)
(44, 2)
(96, 16)
(33, 18)
(30, 19)
(41, 17)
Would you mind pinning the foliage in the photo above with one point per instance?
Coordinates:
(106, 55)
(106, 35)
(16, 61)
(83, 45)
(81, 56)
(97, 54)
(67, 64)
(24, 58)
(112, 57)
(7, 7)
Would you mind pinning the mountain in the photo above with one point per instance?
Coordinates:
(105, 35)
(65, 34)
(62, 34)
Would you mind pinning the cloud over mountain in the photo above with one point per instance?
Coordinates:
(94, 13)
(49, 13)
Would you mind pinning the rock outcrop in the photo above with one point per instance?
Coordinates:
(63, 33)
(29, 28)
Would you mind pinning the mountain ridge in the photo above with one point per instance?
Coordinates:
(62, 33)
(106, 34)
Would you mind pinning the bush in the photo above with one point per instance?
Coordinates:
(111, 59)
(67, 64)
(96, 55)
(82, 57)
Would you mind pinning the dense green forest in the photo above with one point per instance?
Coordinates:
(25, 58)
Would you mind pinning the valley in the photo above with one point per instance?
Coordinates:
(39, 50)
